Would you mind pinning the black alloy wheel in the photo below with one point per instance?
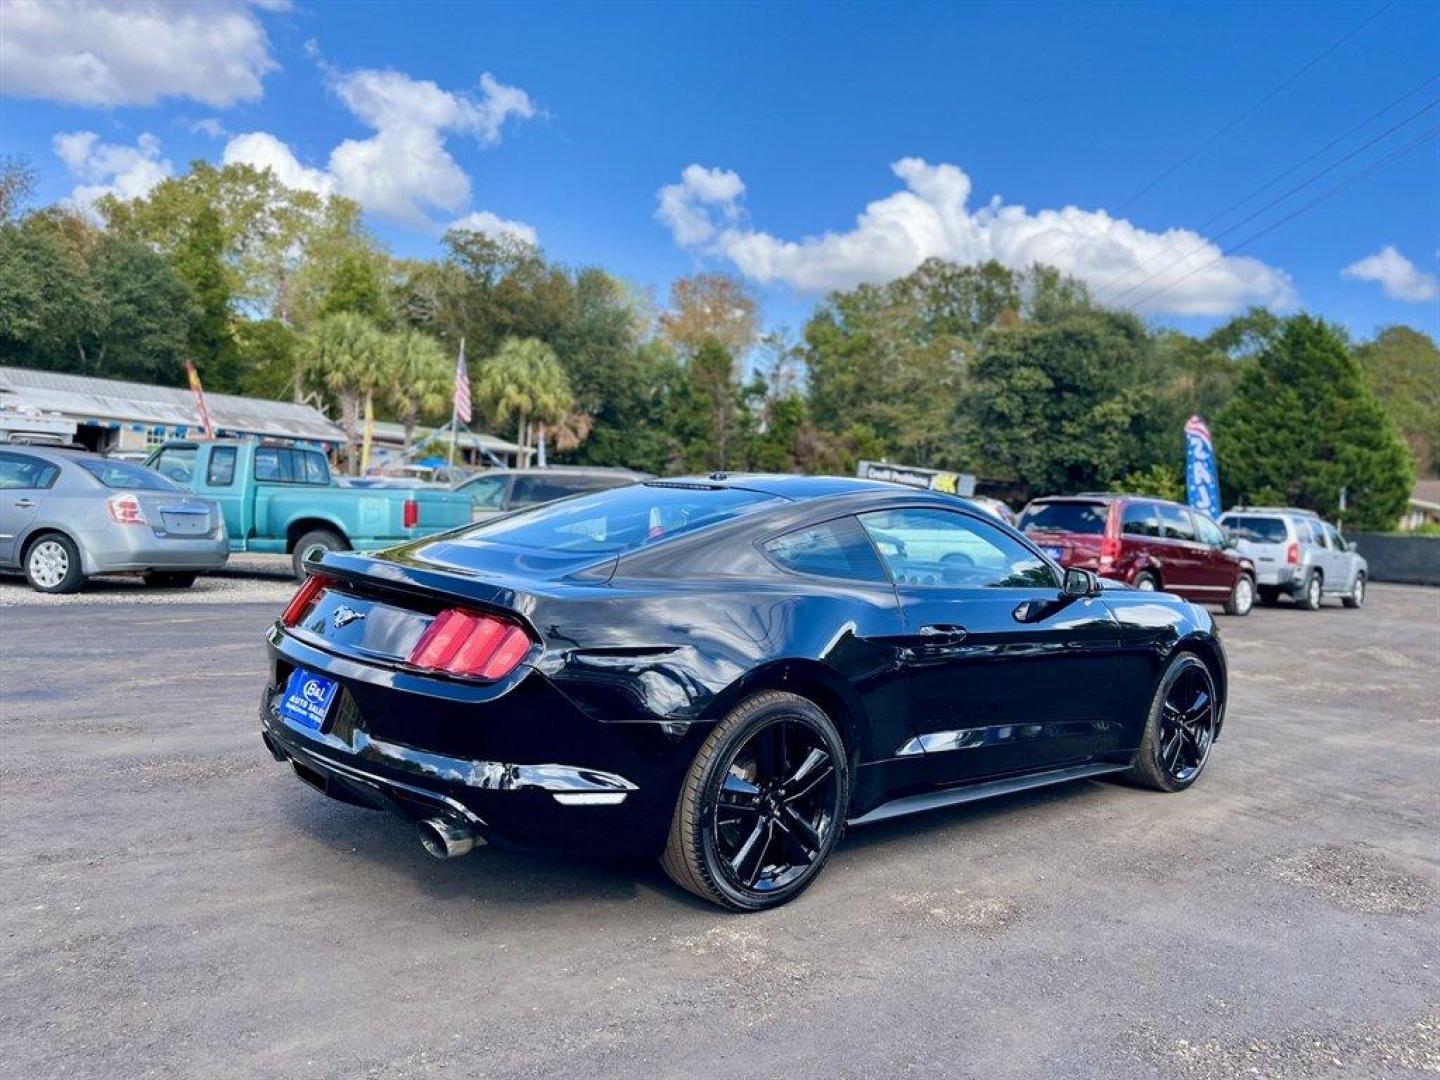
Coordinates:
(762, 806)
(1180, 729)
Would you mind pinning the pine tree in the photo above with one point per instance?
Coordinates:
(1303, 427)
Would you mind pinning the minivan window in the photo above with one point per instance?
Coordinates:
(617, 521)
(1256, 529)
(125, 474)
(835, 549)
(1175, 522)
(1208, 531)
(1140, 519)
(1071, 517)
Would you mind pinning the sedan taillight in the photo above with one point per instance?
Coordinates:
(125, 510)
(1292, 554)
(304, 599)
(470, 644)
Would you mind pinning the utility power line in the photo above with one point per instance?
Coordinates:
(1297, 212)
(1173, 245)
(1206, 242)
(1247, 113)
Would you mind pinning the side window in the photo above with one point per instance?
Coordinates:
(939, 547)
(221, 472)
(532, 490)
(486, 493)
(1140, 519)
(21, 472)
(317, 471)
(176, 463)
(1336, 540)
(272, 463)
(1208, 531)
(836, 549)
(1175, 522)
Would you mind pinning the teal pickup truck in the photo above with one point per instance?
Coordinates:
(282, 499)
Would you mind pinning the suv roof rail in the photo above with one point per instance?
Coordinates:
(1301, 511)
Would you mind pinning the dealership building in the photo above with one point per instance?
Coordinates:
(110, 415)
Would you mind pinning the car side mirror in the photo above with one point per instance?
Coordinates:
(1080, 583)
(1351, 545)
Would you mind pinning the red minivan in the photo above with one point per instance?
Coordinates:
(1144, 542)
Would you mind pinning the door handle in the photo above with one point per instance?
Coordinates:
(944, 629)
(24, 504)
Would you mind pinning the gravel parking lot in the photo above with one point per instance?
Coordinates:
(174, 903)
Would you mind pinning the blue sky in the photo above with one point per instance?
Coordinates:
(795, 118)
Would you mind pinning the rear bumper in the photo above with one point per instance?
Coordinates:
(125, 548)
(1285, 578)
(519, 763)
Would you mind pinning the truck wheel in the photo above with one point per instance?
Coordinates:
(313, 545)
(168, 579)
(52, 565)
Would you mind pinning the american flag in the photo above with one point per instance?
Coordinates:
(462, 387)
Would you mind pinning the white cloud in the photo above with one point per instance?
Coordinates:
(126, 172)
(210, 126)
(404, 170)
(483, 221)
(405, 167)
(930, 218)
(262, 150)
(1398, 276)
(133, 52)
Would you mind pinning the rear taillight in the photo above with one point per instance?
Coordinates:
(412, 513)
(1110, 542)
(125, 510)
(304, 599)
(470, 644)
(1292, 554)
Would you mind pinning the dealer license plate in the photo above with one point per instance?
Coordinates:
(307, 698)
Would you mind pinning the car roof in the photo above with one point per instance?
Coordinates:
(53, 454)
(796, 488)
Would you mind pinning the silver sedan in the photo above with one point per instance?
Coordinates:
(65, 515)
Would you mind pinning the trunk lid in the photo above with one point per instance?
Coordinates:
(175, 515)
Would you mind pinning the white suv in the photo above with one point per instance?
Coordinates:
(1298, 555)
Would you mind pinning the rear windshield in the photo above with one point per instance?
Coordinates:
(123, 474)
(1260, 530)
(619, 520)
(1071, 517)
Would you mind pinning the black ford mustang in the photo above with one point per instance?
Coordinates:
(725, 671)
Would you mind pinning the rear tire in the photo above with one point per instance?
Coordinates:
(1356, 598)
(1313, 592)
(1242, 596)
(1147, 582)
(761, 806)
(313, 545)
(168, 579)
(1169, 759)
(52, 565)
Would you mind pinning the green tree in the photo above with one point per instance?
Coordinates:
(712, 415)
(75, 299)
(198, 262)
(1060, 406)
(1303, 427)
(343, 355)
(1161, 481)
(419, 376)
(268, 350)
(1402, 368)
(357, 286)
(524, 382)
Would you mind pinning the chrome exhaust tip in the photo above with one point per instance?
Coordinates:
(447, 840)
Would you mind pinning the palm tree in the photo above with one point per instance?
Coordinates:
(419, 375)
(343, 353)
(524, 381)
